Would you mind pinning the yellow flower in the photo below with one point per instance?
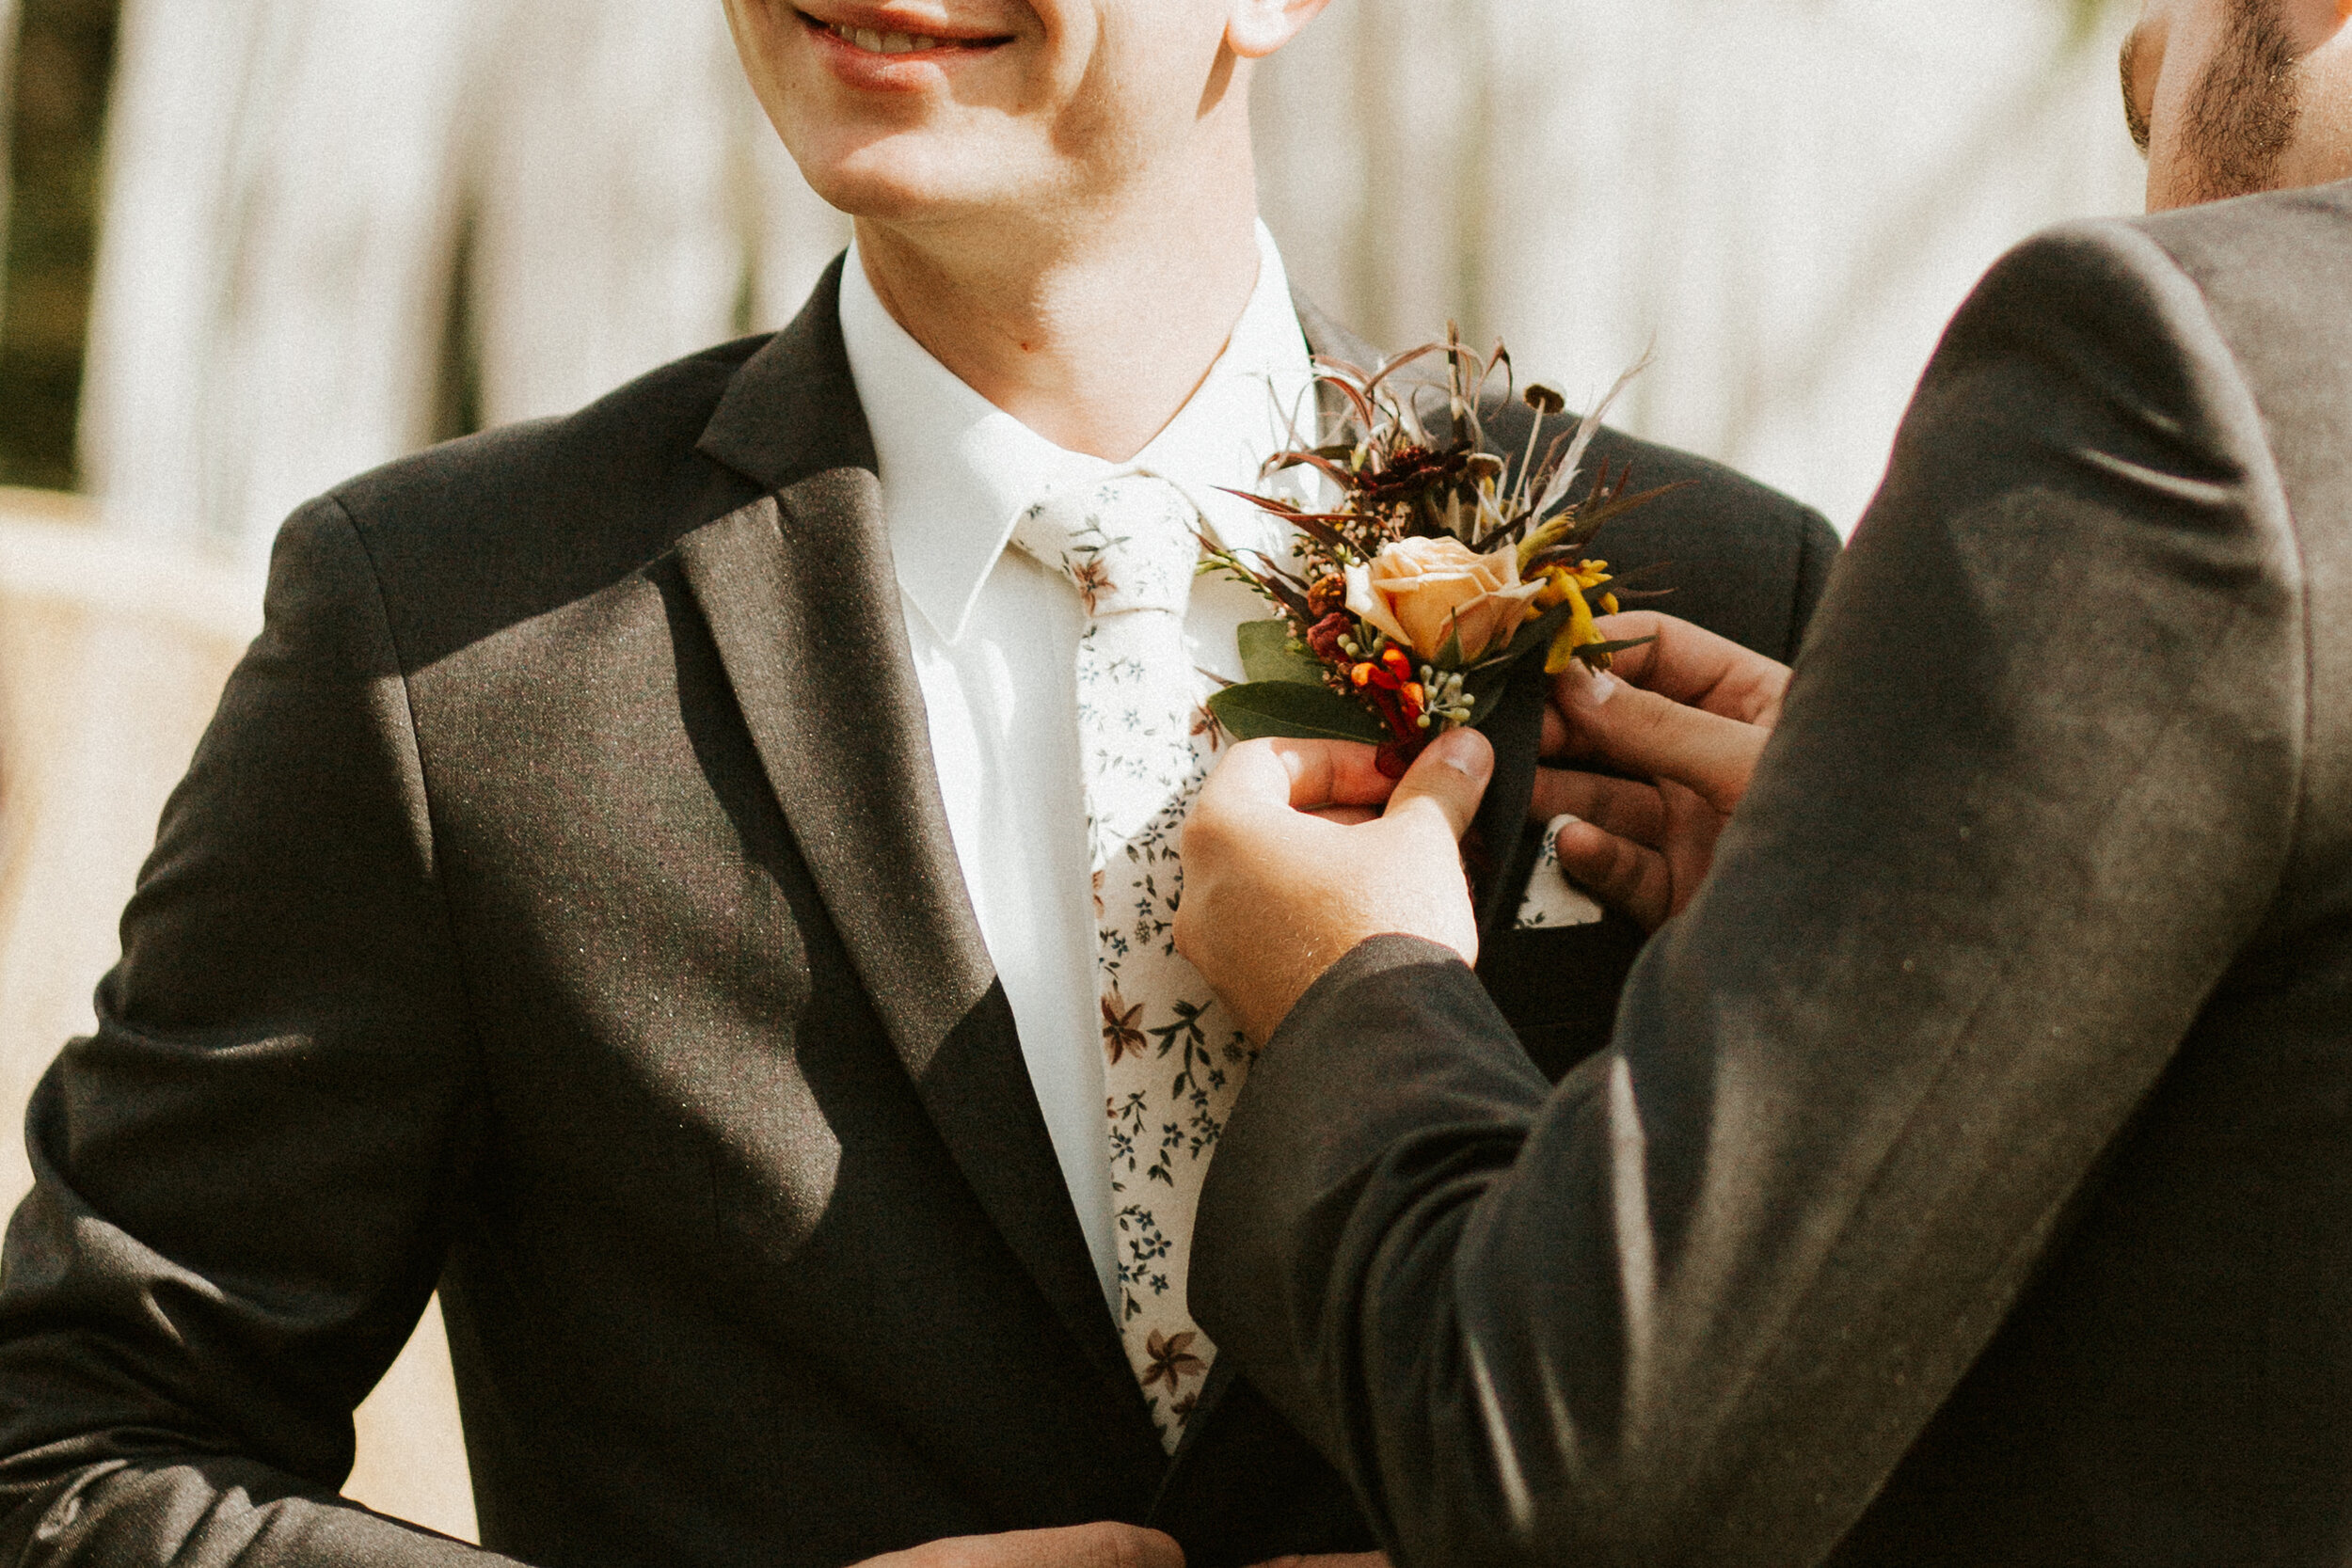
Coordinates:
(1560, 581)
(1578, 632)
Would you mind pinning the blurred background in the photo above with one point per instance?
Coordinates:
(254, 246)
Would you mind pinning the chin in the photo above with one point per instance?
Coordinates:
(899, 179)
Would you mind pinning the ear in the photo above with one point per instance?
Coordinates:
(1257, 28)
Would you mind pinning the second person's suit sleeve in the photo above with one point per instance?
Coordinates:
(2033, 789)
(244, 1179)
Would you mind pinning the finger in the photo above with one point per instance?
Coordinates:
(1627, 807)
(1693, 828)
(1099, 1545)
(1644, 733)
(1696, 666)
(1333, 774)
(1258, 777)
(1626, 875)
(1446, 782)
(1251, 778)
(1115, 1545)
(1557, 736)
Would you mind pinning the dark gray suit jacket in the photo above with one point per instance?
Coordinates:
(561, 911)
(1969, 1178)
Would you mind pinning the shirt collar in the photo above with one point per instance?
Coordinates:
(957, 471)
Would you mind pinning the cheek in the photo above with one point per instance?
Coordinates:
(2186, 48)
(2185, 44)
(1154, 60)
(761, 44)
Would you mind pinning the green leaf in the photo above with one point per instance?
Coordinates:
(1286, 710)
(1267, 656)
(1485, 691)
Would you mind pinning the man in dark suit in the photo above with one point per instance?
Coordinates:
(1966, 1180)
(570, 907)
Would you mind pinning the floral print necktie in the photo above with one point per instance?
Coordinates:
(1173, 1058)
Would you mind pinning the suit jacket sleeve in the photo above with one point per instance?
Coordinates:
(2032, 792)
(243, 1178)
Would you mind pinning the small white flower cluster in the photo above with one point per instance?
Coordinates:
(1446, 708)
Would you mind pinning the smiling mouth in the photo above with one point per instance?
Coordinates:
(874, 41)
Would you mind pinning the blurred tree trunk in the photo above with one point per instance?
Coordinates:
(339, 229)
(7, 118)
(54, 62)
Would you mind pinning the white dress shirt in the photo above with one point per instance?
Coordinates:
(995, 637)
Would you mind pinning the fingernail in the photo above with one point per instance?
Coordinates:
(1590, 687)
(1466, 751)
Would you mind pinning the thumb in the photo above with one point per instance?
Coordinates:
(1449, 778)
(1658, 737)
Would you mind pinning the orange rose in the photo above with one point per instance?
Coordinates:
(1421, 591)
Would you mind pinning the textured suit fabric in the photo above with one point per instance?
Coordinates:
(1969, 1178)
(561, 911)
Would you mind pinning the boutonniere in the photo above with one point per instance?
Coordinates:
(1442, 568)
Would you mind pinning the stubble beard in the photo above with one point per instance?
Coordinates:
(2243, 112)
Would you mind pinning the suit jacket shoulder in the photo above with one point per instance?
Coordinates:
(477, 533)
(2275, 274)
(1972, 1086)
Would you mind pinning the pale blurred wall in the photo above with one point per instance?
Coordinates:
(1786, 198)
(314, 204)
(306, 195)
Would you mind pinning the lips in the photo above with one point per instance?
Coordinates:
(885, 43)
(882, 43)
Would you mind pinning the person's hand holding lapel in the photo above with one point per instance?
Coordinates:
(1297, 850)
(1679, 727)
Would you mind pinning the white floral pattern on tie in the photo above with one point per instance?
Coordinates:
(1173, 1059)
(1552, 899)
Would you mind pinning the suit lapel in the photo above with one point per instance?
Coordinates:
(800, 595)
(1499, 869)
(801, 599)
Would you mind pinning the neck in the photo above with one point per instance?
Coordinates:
(1095, 327)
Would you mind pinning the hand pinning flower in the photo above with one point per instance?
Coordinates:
(1439, 569)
